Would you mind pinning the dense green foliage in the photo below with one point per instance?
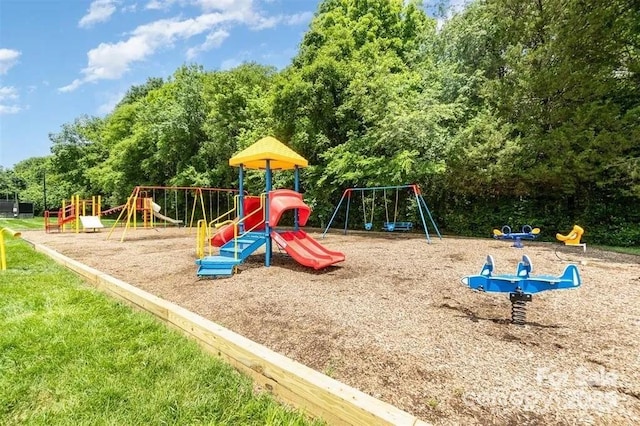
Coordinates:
(72, 356)
(511, 113)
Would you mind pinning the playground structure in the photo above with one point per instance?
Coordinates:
(257, 216)
(143, 201)
(3, 250)
(391, 222)
(73, 213)
(573, 238)
(522, 285)
(300, 311)
(528, 233)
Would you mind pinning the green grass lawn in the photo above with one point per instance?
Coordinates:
(627, 250)
(38, 223)
(69, 355)
(23, 224)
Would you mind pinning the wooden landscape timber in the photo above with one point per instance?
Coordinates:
(289, 381)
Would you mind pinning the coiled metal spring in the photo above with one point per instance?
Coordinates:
(518, 312)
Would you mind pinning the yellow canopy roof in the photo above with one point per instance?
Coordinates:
(281, 156)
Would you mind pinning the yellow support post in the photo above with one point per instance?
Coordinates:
(145, 207)
(3, 251)
(201, 238)
(148, 213)
(76, 212)
(64, 214)
(135, 213)
(125, 211)
(132, 211)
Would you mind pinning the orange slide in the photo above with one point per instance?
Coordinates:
(305, 250)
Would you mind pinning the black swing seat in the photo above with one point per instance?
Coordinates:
(398, 226)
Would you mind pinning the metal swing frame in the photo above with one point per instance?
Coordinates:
(423, 209)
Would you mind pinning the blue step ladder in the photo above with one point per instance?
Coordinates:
(225, 262)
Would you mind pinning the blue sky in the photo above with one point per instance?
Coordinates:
(60, 59)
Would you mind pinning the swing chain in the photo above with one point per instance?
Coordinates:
(368, 225)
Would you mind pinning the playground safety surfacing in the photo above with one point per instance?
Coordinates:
(395, 322)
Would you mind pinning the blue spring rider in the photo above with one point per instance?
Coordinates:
(522, 285)
(528, 233)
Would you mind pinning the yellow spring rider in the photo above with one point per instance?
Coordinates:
(573, 238)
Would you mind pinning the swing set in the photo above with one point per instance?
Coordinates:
(391, 223)
(150, 201)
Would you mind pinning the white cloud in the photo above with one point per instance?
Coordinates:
(72, 86)
(159, 4)
(131, 8)
(8, 93)
(99, 11)
(206, 5)
(8, 58)
(298, 18)
(212, 41)
(225, 5)
(9, 109)
(111, 102)
(110, 61)
(265, 22)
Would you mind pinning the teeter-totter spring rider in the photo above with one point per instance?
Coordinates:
(528, 233)
(522, 285)
(573, 238)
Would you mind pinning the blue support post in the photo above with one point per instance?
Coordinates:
(433, 222)
(424, 223)
(333, 216)
(296, 187)
(346, 218)
(241, 196)
(267, 227)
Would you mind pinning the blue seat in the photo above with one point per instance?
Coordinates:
(398, 226)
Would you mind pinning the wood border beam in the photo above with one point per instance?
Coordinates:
(288, 380)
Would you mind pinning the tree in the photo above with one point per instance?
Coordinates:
(76, 148)
(238, 114)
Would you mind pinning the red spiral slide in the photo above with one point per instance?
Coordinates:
(282, 200)
(225, 233)
(298, 244)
